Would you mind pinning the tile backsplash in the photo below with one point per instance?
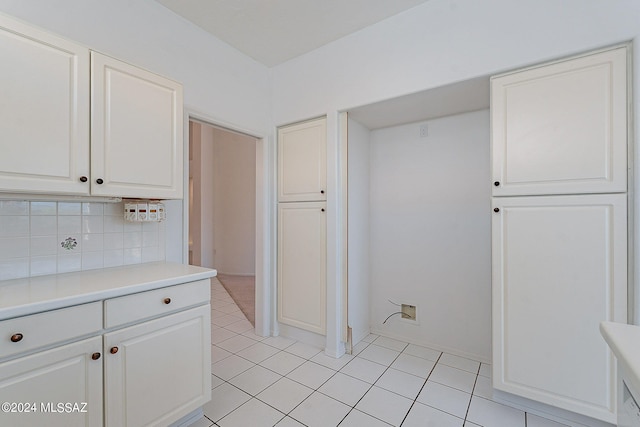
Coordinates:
(38, 238)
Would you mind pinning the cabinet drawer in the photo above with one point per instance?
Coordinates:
(44, 329)
(130, 308)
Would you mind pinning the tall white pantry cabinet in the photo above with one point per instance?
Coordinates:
(302, 237)
(559, 229)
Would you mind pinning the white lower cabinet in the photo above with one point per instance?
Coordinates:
(559, 269)
(61, 387)
(302, 248)
(157, 371)
(149, 366)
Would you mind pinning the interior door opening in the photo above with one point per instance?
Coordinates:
(222, 209)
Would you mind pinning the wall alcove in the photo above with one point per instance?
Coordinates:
(418, 198)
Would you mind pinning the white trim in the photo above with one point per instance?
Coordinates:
(264, 226)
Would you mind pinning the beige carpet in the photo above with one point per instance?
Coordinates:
(243, 291)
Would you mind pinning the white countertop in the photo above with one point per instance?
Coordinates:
(30, 295)
(624, 341)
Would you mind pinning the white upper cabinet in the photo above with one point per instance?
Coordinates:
(44, 112)
(136, 131)
(561, 128)
(302, 161)
(134, 147)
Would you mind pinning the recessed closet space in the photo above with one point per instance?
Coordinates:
(419, 223)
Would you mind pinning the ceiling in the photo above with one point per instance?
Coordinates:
(275, 31)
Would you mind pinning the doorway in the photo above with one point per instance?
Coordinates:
(222, 209)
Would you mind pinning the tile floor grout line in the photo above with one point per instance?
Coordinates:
(472, 390)
(370, 386)
(380, 376)
(420, 391)
(252, 397)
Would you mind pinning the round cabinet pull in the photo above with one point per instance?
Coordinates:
(99, 181)
(167, 301)
(83, 179)
(16, 337)
(322, 209)
(113, 350)
(497, 183)
(496, 209)
(95, 356)
(321, 191)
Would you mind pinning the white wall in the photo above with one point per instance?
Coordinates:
(438, 43)
(431, 233)
(358, 239)
(442, 42)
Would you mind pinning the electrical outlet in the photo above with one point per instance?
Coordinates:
(424, 131)
(408, 311)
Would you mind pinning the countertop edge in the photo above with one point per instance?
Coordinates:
(170, 274)
(624, 341)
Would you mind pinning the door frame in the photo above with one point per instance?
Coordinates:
(264, 227)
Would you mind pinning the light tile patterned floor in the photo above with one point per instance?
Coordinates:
(277, 381)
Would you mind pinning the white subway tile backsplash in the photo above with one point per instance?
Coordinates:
(132, 239)
(14, 247)
(113, 258)
(43, 208)
(132, 256)
(69, 208)
(149, 254)
(150, 238)
(14, 268)
(43, 245)
(39, 238)
(71, 224)
(92, 224)
(115, 209)
(151, 226)
(92, 242)
(132, 227)
(68, 263)
(41, 265)
(44, 225)
(93, 209)
(113, 241)
(14, 226)
(92, 260)
(10, 207)
(113, 224)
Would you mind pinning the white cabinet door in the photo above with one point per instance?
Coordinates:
(44, 112)
(302, 161)
(63, 375)
(158, 371)
(136, 132)
(561, 128)
(302, 248)
(559, 269)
